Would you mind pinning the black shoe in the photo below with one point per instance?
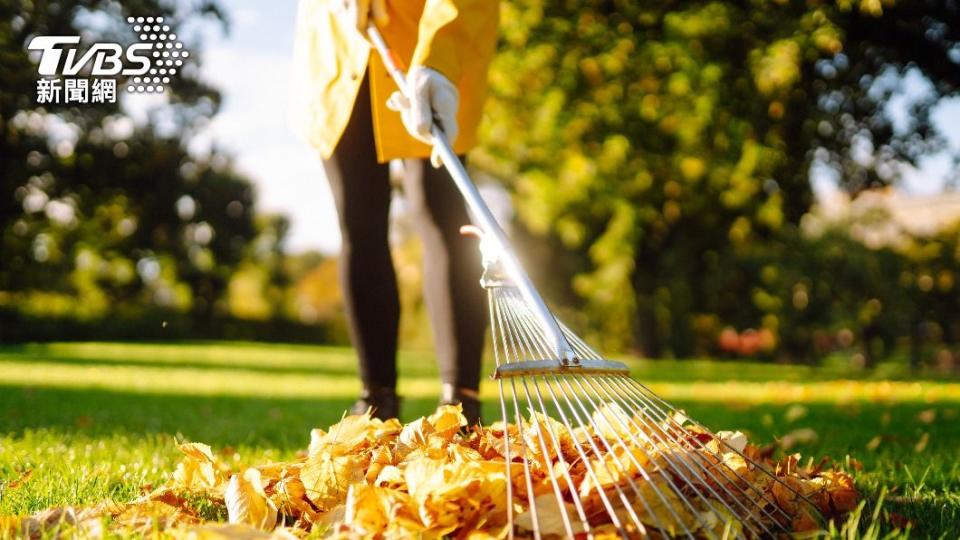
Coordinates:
(467, 399)
(383, 403)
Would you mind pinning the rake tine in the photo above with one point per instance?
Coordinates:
(575, 497)
(690, 464)
(640, 445)
(585, 349)
(541, 346)
(640, 469)
(599, 456)
(633, 485)
(580, 346)
(503, 410)
(519, 423)
(648, 394)
(614, 519)
(586, 461)
(668, 418)
(738, 452)
(704, 428)
(543, 446)
(534, 335)
(507, 459)
(526, 467)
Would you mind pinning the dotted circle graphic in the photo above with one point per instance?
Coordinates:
(168, 52)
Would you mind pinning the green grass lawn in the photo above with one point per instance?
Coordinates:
(92, 421)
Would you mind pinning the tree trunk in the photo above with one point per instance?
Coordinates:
(646, 331)
(867, 333)
(916, 345)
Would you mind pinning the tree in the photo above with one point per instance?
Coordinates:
(122, 210)
(661, 140)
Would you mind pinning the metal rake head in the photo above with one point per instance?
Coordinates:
(593, 452)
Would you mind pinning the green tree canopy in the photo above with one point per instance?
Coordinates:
(96, 208)
(661, 139)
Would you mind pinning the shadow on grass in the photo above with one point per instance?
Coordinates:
(38, 356)
(310, 359)
(253, 367)
(279, 422)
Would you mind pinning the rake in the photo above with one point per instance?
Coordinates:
(649, 471)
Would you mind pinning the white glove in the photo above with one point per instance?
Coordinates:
(356, 13)
(432, 94)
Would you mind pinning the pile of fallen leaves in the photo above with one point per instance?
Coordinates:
(365, 477)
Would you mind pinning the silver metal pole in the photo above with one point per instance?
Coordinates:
(481, 212)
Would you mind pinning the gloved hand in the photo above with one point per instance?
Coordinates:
(431, 95)
(357, 12)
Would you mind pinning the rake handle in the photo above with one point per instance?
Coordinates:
(478, 208)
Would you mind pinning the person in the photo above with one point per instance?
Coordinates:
(346, 105)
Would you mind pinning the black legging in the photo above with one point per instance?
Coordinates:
(361, 191)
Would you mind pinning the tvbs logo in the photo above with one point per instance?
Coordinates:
(107, 58)
(145, 66)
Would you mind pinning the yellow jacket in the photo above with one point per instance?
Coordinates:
(455, 37)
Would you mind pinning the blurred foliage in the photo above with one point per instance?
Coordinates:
(102, 215)
(659, 155)
(668, 146)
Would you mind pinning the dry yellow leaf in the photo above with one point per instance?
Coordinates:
(247, 503)
(372, 510)
(197, 469)
(326, 476)
(447, 420)
(613, 422)
(550, 517)
(734, 440)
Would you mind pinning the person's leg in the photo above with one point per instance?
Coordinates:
(451, 278)
(361, 192)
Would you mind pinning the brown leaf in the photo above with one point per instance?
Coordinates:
(927, 416)
(20, 480)
(900, 521)
(798, 436)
